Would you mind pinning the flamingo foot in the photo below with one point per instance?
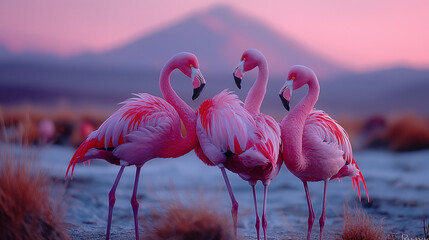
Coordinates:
(322, 225)
(135, 204)
(264, 213)
(234, 213)
(323, 217)
(112, 200)
(264, 226)
(234, 208)
(311, 218)
(257, 224)
(311, 215)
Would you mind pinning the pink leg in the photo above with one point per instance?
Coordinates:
(135, 204)
(256, 209)
(311, 215)
(112, 200)
(323, 217)
(234, 209)
(264, 213)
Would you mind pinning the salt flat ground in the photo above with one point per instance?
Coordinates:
(397, 183)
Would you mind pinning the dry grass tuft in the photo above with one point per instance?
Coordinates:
(26, 211)
(425, 229)
(359, 226)
(71, 125)
(409, 133)
(176, 221)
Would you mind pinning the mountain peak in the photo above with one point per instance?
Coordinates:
(221, 11)
(218, 36)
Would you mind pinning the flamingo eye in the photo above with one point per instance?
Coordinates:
(244, 59)
(191, 65)
(293, 78)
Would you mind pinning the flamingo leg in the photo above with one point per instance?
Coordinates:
(234, 209)
(256, 209)
(135, 204)
(264, 213)
(311, 215)
(323, 217)
(112, 200)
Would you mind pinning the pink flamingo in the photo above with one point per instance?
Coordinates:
(240, 138)
(46, 130)
(315, 147)
(145, 127)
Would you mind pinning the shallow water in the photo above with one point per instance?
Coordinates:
(397, 183)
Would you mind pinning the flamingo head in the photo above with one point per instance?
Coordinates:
(286, 93)
(298, 76)
(249, 60)
(188, 64)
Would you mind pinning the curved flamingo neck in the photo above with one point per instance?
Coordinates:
(292, 127)
(186, 113)
(257, 92)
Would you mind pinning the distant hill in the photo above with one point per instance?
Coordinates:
(384, 91)
(8, 56)
(218, 37)
(4, 53)
(380, 92)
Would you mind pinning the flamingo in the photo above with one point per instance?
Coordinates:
(241, 139)
(145, 127)
(315, 147)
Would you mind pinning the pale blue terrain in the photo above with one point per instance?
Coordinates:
(397, 183)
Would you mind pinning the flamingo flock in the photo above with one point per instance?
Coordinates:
(227, 133)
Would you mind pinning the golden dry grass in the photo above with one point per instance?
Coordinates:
(358, 225)
(409, 132)
(425, 228)
(68, 122)
(177, 221)
(26, 210)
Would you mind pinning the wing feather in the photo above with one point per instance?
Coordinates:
(225, 125)
(144, 115)
(225, 122)
(330, 132)
(336, 137)
(270, 136)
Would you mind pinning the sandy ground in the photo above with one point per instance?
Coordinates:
(397, 184)
(125, 235)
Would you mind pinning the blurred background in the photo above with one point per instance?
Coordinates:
(72, 62)
(65, 66)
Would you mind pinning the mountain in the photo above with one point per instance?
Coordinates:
(4, 53)
(8, 56)
(385, 91)
(218, 37)
(388, 91)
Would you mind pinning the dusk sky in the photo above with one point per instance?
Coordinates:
(361, 35)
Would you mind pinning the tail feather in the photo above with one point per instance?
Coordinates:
(79, 155)
(355, 181)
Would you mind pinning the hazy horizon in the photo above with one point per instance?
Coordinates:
(361, 36)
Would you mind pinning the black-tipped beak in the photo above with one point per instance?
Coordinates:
(238, 73)
(237, 81)
(285, 102)
(197, 91)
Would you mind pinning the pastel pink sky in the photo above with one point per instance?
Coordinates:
(361, 35)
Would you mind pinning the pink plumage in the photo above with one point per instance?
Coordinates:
(145, 127)
(225, 126)
(239, 138)
(315, 147)
(134, 134)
